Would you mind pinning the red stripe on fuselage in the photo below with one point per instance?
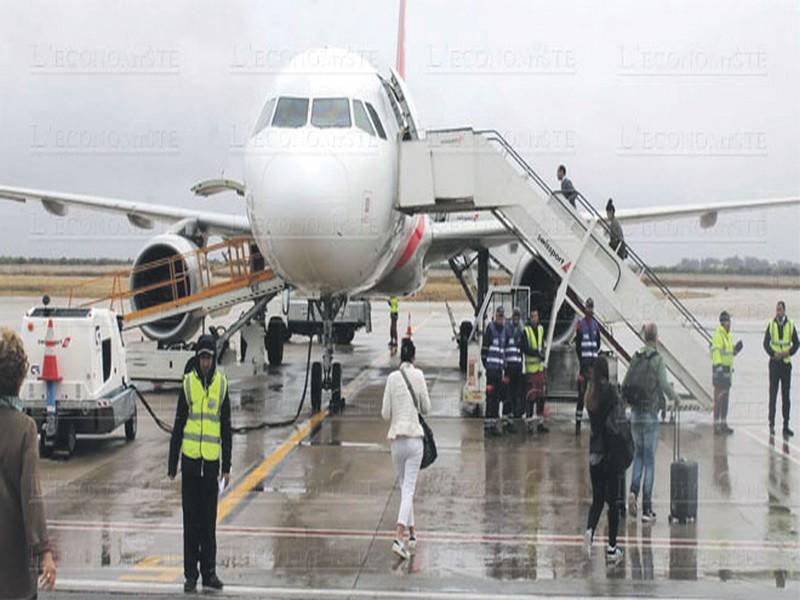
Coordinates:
(412, 244)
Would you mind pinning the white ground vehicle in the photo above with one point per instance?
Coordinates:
(94, 395)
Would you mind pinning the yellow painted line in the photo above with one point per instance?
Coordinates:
(151, 568)
(237, 494)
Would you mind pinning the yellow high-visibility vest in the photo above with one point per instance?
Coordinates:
(534, 364)
(722, 348)
(394, 305)
(201, 434)
(783, 344)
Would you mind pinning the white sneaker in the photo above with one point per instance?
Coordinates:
(587, 542)
(614, 554)
(632, 508)
(411, 545)
(399, 550)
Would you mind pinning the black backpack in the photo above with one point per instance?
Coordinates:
(640, 386)
(619, 437)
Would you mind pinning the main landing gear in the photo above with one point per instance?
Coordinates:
(326, 376)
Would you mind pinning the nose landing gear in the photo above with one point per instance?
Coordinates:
(326, 376)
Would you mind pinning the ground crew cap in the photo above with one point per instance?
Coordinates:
(724, 316)
(206, 345)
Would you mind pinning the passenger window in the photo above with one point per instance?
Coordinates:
(361, 118)
(291, 112)
(264, 117)
(330, 112)
(376, 121)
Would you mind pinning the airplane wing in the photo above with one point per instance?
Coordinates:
(452, 237)
(707, 212)
(139, 214)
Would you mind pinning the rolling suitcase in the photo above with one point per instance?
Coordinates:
(683, 478)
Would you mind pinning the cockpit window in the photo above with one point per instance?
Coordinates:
(265, 116)
(330, 112)
(361, 118)
(291, 112)
(376, 121)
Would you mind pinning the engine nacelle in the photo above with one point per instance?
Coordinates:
(534, 273)
(152, 272)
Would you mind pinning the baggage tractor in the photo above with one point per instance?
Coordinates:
(683, 479)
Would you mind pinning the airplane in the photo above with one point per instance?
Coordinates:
(321, 193)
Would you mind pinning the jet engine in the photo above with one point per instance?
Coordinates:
(534, 273)
(161, 271)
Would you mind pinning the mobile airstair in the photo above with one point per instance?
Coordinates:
(466, 170)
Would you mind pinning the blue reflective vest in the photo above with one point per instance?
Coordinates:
(588, 339)
(513, 349)
(494, 347)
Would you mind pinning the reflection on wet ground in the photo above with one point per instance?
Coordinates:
(496, 516)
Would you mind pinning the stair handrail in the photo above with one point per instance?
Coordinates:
(494, 135)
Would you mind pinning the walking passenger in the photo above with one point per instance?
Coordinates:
(644, 385)
(405, 397)
(567, 189)
(587, 345)
(607, 478)
(202, 437)
(617, 237)
(722, 353)
(513, 380)
(780, 343)
(493, 357)
(533, 348)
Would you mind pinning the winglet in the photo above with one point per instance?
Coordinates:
(400, 63)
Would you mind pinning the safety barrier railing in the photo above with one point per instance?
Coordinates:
(235, 261)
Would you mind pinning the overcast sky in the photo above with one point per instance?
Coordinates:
(653, 103)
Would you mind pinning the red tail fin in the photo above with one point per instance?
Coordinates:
(400, 65)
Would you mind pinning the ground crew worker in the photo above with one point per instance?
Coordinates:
(533, 348)
(394, 313)
(493, 358)
(512, 404)
(587, 346)
(722, 353)
(781, 343)
(202, 435)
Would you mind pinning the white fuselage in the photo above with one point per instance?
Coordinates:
(321, 196)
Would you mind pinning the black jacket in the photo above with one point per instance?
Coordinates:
(197, 466)
(608, 397)
(768, 339)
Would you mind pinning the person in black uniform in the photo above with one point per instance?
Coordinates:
(202, 437)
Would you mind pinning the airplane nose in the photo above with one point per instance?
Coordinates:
(303, 210)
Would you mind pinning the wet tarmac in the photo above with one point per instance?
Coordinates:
(312, 507)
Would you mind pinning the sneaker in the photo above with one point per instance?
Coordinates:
(399, 550)
(190, 586)
(648, 516)
(411, 545)
(632, 504)
(787, 432)
(542, 428)
(613, 553)
(213, 583)
(588, 537)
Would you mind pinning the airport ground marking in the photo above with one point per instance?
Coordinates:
(777, 447)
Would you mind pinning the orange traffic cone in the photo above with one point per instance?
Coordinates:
(409, 333)
(50, 366)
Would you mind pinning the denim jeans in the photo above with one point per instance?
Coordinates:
(644, 426)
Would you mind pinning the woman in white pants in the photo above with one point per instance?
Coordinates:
(405, 437)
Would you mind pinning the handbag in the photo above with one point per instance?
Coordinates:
(429, 452)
